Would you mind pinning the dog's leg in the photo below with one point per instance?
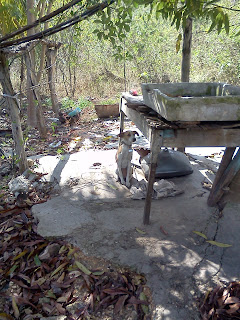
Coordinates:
(128, 177)
(120, 174)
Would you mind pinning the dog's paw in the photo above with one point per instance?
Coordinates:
(122, 181)
(127, 184)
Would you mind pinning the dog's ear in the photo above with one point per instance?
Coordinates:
(135, 132)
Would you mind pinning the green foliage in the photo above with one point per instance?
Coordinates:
(13, 15)
(68, 103)
(108, 101)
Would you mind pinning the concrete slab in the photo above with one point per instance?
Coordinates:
(98, 215)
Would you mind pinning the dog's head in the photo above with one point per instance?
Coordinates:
(128, 137)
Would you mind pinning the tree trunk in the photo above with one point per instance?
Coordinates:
(186, 51)
(38, 105)
(186, 55)
(51, 66)
(31, 110)
(14, 111)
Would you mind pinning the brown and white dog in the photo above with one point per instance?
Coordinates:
(124, 156)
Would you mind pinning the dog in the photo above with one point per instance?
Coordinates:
(124, 156)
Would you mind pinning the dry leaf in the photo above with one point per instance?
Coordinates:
(219, 244)
(83, 268)
(15, 308)
(200, 234)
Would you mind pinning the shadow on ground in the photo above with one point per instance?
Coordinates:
(96, 213)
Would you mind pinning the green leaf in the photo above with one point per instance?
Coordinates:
(127, 27)
(37, 261)
(83, 268)
(144, 307)
(226, 24)
(200, 234)
(178, 42)
(59, 268)
(219, 244)
(140, 231)
(50, 294)
(98, 273)
(111, 186)
(219, 27)
(10, 271)
(212, 26)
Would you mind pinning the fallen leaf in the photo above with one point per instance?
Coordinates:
(5, 316)
(111, 186)
(120, 303)
(145, 308)
(230, 300)
(163, 231)
(200, 234)
(15, 308)
(219, 244)
(59, 268)
(37, 261)
(98, 273)
(140, 231)
(233, 308)
(50, 294)
(83, 268)
(20, 255)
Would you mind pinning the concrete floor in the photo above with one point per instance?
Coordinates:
(97, 214)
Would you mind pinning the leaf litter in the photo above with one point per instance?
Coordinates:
(43, 278)
(222, 303)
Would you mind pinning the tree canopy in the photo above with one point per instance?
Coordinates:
(113, 22)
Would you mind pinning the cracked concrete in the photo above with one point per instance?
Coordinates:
(98, 215)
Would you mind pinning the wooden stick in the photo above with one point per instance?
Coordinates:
(156, 143)
(226, 172)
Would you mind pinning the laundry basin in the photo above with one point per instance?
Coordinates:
(193, 101)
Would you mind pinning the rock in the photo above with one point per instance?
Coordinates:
(5, 169)
(19, 185)
(50, 251)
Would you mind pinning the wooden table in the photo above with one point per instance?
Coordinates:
(161, 133)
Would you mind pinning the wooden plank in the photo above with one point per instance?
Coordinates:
(228, 175)
(227, 158)
(188, 137)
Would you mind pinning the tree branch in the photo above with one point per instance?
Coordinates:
(41, 20)
(59, 27)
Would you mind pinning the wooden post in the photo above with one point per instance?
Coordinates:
(228, 171)
(156, 144)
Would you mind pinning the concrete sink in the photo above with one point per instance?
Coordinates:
(193, 101)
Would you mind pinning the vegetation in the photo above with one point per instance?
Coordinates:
(117, 46)
(148, 54)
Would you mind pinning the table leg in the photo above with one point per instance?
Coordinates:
(156, 143)
(226, 172)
